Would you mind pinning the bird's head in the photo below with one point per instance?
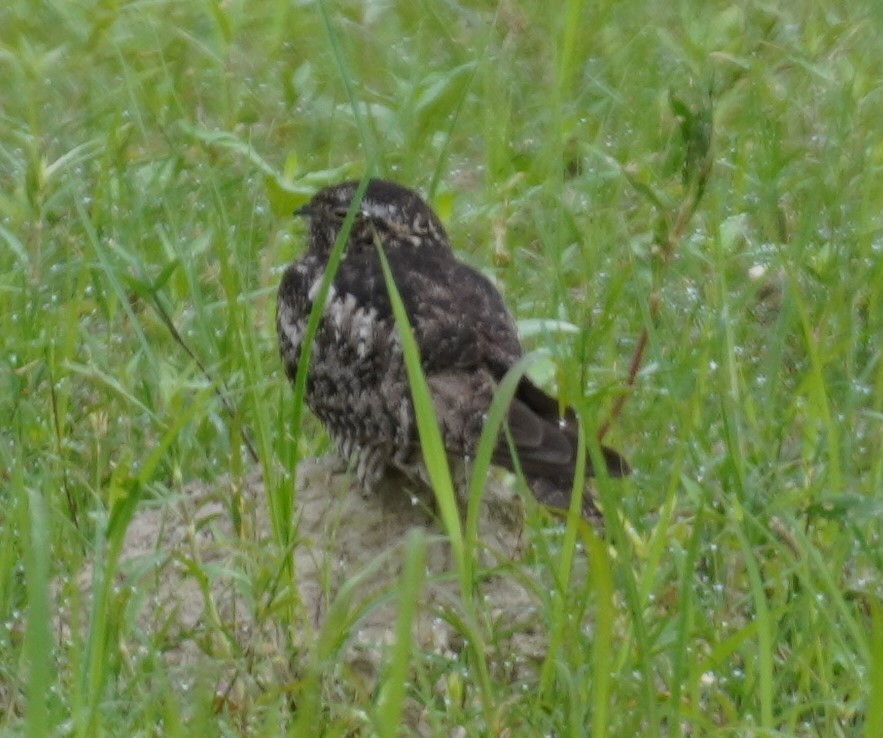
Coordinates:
(385, 208)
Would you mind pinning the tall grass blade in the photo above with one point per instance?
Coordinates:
(392, 692)
(39, 654)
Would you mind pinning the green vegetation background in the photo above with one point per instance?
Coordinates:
(150, 155)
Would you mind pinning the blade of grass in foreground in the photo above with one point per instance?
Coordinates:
(281, 505)
(680, 663)
(601, 569)
(765, 629)
(490, 432)
(392, 693)
(599, 558)
(434, 454)
(436, 460)
(37, 635)
(558, 619)
(635, 605)
(874, 711)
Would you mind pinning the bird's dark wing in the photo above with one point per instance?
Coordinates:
(458, 317)
(545, 441)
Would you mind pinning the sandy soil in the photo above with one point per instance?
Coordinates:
(185, 570)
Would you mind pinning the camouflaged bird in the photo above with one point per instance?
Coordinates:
(356, 382)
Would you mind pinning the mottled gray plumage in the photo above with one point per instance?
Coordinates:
(356, 382)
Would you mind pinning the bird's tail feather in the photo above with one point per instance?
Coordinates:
(545, 444)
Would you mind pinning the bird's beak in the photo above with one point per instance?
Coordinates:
(304, 211)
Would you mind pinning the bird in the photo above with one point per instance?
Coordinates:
(356, 381)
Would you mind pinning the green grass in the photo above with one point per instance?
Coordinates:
(150, 155)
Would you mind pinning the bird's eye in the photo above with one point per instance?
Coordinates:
(340, 212)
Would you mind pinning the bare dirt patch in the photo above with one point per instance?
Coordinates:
(201, 593)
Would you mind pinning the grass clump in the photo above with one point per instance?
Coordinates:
(150, 155)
